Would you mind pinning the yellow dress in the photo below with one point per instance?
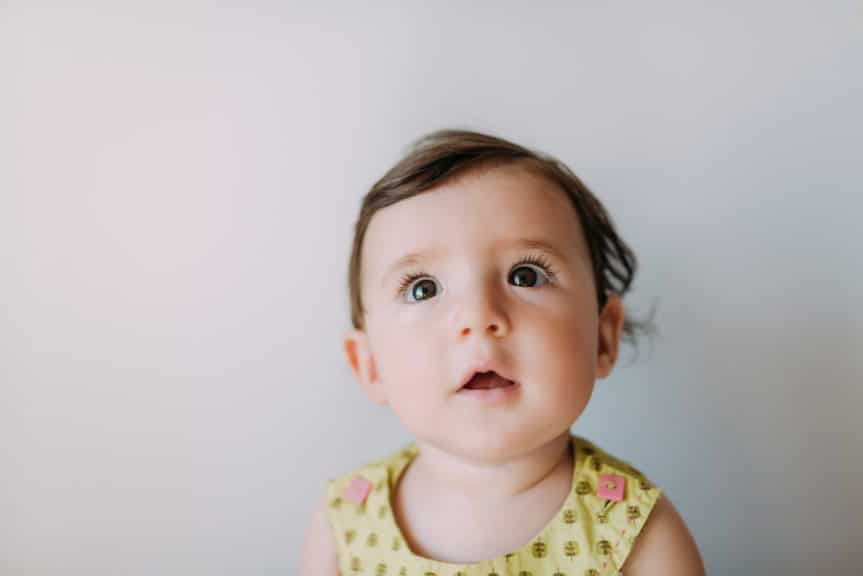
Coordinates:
(591, 535)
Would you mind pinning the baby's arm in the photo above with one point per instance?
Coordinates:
(319, 550)
(664, 546)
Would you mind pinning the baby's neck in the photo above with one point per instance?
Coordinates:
(451, 509)
(479, 481)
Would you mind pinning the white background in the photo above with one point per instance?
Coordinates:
(178, 183)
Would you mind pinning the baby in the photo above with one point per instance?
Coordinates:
(486, 286)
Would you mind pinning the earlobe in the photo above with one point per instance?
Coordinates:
(362, 364)
(610, 326)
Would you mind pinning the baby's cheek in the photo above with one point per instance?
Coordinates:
(560, 344)
(412, 382)
(415, 411)
(562, 365)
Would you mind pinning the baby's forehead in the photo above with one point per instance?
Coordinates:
(508, 191)
(478, 213)
(506, 196)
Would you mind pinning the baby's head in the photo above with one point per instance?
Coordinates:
(474, 254)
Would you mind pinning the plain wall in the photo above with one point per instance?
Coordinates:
(178, 186)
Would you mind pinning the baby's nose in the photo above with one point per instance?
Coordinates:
(494, 329)
(483, 315)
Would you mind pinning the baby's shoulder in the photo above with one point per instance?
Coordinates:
(616, 499)
(368, 484)
(589, 457)
(661, 546)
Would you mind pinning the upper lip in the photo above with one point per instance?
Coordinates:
(480, 367)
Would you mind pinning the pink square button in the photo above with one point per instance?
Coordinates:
(358, 489)
(610, 487)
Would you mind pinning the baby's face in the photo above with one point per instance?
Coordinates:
(472, 297)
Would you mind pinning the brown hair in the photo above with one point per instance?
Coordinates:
(439, 156)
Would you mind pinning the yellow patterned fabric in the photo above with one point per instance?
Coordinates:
(589, 536)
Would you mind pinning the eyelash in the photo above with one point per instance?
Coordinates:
(535, 259)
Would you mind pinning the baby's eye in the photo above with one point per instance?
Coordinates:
(529, 273)
(526, 275)
(418, 291)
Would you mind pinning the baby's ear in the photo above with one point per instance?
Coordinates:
(610, 325)
(362, 364)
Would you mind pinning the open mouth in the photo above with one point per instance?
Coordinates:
(487, 381)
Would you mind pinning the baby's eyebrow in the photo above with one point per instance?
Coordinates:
(412, 258)
(409, 259)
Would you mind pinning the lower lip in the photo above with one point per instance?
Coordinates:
(491, 395)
